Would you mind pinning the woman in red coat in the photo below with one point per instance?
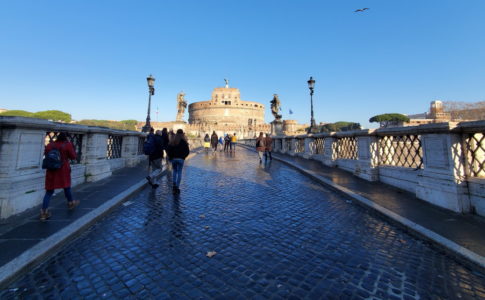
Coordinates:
(60, 178)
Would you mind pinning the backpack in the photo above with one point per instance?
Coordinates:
(52, 160)
(149, 145)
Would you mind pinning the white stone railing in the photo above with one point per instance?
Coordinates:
(22, 141)
(441, 163)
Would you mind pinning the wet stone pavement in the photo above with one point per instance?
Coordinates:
(277, 234)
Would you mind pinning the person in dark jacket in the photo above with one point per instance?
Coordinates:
(227, 141)
(165, 141)
(268, 143)
(59, 178)
(155, 160)
(178, 150)
(214, 141)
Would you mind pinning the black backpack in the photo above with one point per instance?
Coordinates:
(52, 160)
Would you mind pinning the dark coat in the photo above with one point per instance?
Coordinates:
(214, 139)
(178, 151)
(158, 148)
(60, 178)
(268, 143)
(260, 144)
(165, 140)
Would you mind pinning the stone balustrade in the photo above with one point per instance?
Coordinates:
(100, 151)
(442, 163)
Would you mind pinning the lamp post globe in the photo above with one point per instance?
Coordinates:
(151, 91)
(311, 86)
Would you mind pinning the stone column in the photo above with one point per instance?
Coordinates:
(367, 163)
(21, 177)
(97, 165)
(442, 181)
(330, 151)
(308, 152)
(129, 150)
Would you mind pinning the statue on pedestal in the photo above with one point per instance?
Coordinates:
(181, 105)
(277, 124)
(276, 107)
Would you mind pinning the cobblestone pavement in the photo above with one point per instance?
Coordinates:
(277, 234)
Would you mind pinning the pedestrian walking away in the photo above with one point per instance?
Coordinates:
(214, 141)
(227, 141)
(207, 143)
(154, 157)
(178, 150)
(58, 176)
(260, 146)
(221, 142)
(233, 142)
(165, 141)
(268, 142)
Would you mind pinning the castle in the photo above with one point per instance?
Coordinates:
(224, 113)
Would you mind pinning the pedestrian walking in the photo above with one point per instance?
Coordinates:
(268, 142)
(221, 143)
(171, 135)
(214, 141)
(178, 150)
(155, 158)
(165, 141)
(61, 151)
(233, 142)
(260, 146)
(227, 141)
(207, 142)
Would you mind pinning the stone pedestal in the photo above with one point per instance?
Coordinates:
(442, 181)
(276, 127)
(330, 151)
(129, 150)
(21, 176)
(97, 166)
(367, 163)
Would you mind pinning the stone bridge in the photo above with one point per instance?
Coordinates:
(238, 230)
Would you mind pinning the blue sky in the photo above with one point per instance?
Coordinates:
(91, 58)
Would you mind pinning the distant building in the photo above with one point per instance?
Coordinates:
(3, 110)
(224, 113)
(436, 114)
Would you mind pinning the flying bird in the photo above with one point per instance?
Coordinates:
(362, 9)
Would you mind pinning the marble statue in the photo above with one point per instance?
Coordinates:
(276, 107)
(181, 105)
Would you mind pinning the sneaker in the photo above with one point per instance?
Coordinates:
(155, 185)
(177, 191)
(71, 205)
(174, 190)
(45, 215)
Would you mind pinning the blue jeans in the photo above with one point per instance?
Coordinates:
(177, 165)
(49, 193)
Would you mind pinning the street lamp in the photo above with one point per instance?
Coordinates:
(311, 85)
(151, 91)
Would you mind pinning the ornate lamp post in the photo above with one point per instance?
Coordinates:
(151, 91)
(311, 85)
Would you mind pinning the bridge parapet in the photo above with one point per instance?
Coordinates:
(442, 163)
(100, 151)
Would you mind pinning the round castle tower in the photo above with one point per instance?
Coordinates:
(227, 109)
